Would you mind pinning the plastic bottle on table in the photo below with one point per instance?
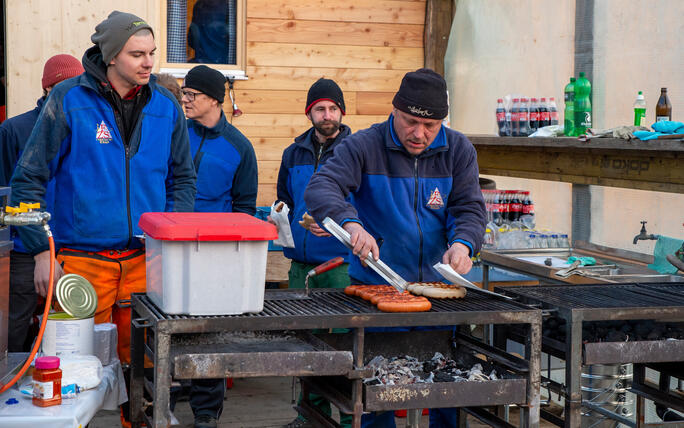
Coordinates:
(553, 112)
(515, 206)
(501, 118)
(640, 110)
(582, 105)
(497, 208)
(569, 113)
(553, 241)
(527, 214)
(543, 241)
(524, 118)
(564, 241)
(47, 382)
(515, 117)
(534, 114)
(663, 108)
(532, 241)
(544, 114)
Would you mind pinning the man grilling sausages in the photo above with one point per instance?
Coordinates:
(415, 187)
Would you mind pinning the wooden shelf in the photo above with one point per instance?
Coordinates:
(645, 165)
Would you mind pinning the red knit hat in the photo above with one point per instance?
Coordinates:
(60, 67)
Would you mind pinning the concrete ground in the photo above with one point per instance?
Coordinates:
(256, 402)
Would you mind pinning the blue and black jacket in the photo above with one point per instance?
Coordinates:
(298, 165)
(226, 168)
(414, 206)
(103, 183)
(14, 132)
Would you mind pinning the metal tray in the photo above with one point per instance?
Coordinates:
(646, 351)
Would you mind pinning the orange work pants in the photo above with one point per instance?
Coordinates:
(114, 275)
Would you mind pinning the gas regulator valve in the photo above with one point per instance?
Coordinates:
(24, 215)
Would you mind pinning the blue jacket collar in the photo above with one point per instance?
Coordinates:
(440, 141)
(304, 140)
(213, 132)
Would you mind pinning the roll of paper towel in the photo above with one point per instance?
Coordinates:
(105, 343)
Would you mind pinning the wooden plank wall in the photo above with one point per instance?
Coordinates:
(365, 46)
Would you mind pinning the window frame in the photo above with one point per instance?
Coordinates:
(180, 69)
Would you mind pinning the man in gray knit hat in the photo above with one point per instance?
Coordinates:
(115, 144)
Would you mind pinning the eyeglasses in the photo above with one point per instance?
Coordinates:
(190, 95)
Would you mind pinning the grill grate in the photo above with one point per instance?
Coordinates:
(604, 296)
(335, 302)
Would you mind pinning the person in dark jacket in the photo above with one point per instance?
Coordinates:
(415, 185)
(14, 133)
(224, 158)
(226, 182)
(309, 152)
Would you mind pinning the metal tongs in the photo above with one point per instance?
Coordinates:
(393, 278)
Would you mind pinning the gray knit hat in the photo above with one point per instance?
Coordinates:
(112, 34)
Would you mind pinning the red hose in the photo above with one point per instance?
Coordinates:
(46, 311)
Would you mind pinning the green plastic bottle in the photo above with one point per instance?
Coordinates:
(640, 110)
(582, 105)
(569, 112)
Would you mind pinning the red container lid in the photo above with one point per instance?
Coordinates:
(47, 363)
(206, 227)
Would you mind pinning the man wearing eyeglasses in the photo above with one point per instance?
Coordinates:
(226, 182)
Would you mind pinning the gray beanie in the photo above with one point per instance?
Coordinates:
(112, 34)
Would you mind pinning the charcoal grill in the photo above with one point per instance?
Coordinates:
(184, 346)
(600, 302)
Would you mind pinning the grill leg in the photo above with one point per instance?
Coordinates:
(357, 384)
(530, 414)
(137, 371)
(162, 379)
(573, 372)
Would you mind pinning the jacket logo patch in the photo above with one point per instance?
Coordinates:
(435, 202)
(102, 134)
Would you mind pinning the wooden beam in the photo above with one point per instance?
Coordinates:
(654, 165)
(438, 18)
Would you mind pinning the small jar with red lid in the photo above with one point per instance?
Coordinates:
(47, 382)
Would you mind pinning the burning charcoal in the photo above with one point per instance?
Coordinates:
(373, 381)
(493, 375)
(616, 336)
(442, 376)
(671, 334)
(429, 366)
(653, 335)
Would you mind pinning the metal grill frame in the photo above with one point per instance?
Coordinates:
(606, 302)
(152, 332)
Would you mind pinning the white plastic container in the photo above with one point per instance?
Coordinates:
(206, 263)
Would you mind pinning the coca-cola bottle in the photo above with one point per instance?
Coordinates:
(497, 205)
(534, 115)
(553, 111)
(515, 206)
(527, 215)
(515, 111)
(501, 118)
(544, 114)
(524, 118)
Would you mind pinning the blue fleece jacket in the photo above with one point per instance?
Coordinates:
(103, 185)
(414, 206)
(296, 169)
(226, 168)
(14, 132)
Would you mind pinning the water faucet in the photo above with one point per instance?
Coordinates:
(643, 236)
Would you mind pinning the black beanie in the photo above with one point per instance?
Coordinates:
(324, 89)
(208, 81)
(423, 93)
(112, 34)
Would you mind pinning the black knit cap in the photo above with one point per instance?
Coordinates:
(324, 89)
(206, 80)
(423, 93)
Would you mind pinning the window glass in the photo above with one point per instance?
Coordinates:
(201, 31)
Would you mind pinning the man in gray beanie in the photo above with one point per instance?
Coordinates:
(415, 189)
(115, 145)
